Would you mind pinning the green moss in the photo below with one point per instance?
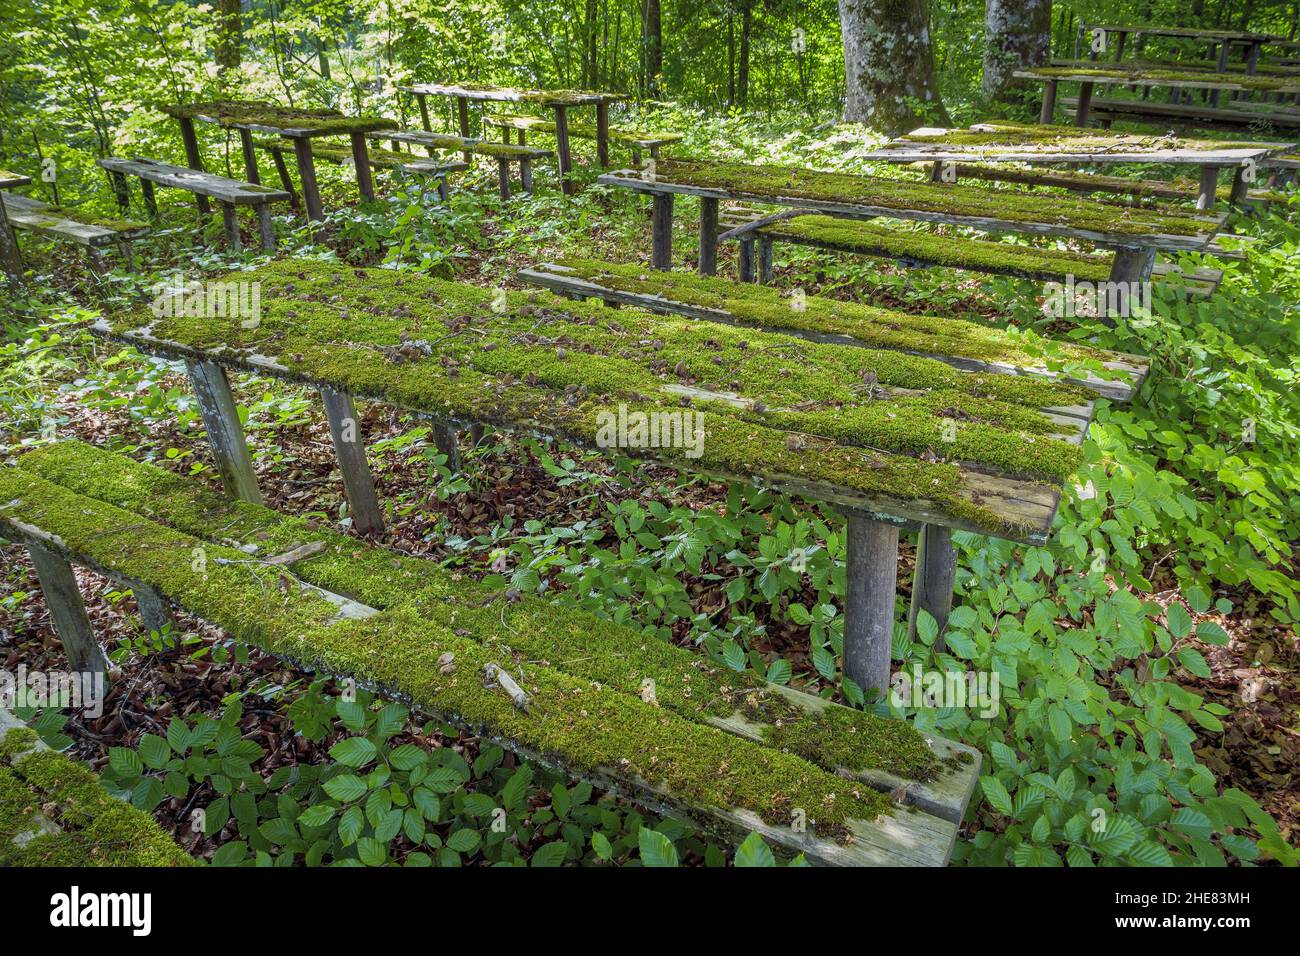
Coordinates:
(586, 727)
(542, 362)
(94, 828)
(835, 736)
(632, 137)
(90, 219)
(540, 97)
(775, 182)
(270, 115)
(566, 639)
(1073, 138)
(1120, 73)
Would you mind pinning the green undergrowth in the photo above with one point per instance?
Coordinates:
(569, 640)
(534, 360)
(408, 655)
(93, 828)
(1065, 212)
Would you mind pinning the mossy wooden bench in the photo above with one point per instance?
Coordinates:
(54, 812)
(637, 140)
(378, 158)
(890, 438)
(91, 232)
(503, 153)
(1136, 234)
(598, 700)
(230, 193)
(920, 249)
(1234, 119)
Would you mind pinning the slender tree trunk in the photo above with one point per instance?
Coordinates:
(652, 42)
(731, 60)
(229, 32)
(746, 32)
(889, 65)
(1017, 35)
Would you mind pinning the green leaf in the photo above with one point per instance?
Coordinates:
(178, 735)
(464, 840)
(601, 846)
(230, 854)
(407, 757)
(346, 787)
(154, 751)
(318, 815)
(754, 852)
(778, 672)
(353, 751)
(351, 825)
(996, 794)
(1150, 853)
(1193, 662)
(656, 849)
(125, 762)
(1192, 822)
(1179, 621)
(550, 854)
(371, 852)
(1211, 633)
(733, 655)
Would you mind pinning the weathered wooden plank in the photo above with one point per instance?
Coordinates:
(32, 215)
(349, 449)
(67, 610)
(197, 182)
(507, 94)
(936, 566)
(225, 433)
(869, 593)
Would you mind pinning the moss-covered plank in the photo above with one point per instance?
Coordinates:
(1117, 74)
(60, 222)
(1237, 118)
(272, 118)
(631, 137)
(8, 180)
(403, 654)
(54, 812)
(864, 428)
(871, 196)
(379, 158)
(964, 345)
(484, 92)
(197, 181)
(883, 753)
(480, 147)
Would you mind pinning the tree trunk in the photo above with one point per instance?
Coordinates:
(889, 65)
(1017, 36)
(746, 33)
(229, 31)
(652, 44)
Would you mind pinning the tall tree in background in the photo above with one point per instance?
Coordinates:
(1017, 35)
(746, 35)
(889, 65)
(652, 46)
(229, 30)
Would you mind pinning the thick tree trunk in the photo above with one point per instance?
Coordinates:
(1017, 35)
(889, 65)
(229, 34)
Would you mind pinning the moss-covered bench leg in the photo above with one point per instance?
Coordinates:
(503, 177)
(936, 565)
(150, 199)
(1209, 186)
(708, 236)
(225, 434)
(745, 261)
(1083, 108)
(526, 175)
(193, 159)
(307, 173)
(1132, 265)
(67, 610)
(345, 430)
(765, 260)
(264, 227)
(869, 595)
(662, 228)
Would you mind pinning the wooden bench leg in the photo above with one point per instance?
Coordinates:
(562, 153)
(264, 227)
(636, 157)
(662, 223)
(1206, 193)
(421, 99)
(67, 611)
(225, 434)
(231, 222)
(869, 595)
(462, 119)
(602, 133)
(128, 257)
(1132, 265)
(745, 260)
(936, 565)
(765, 260)
(150, 198)
(444, 191)
(1049, 103)
(503, 177)
(121, 191)
(1239, 187)
(444, 439)
(1084, 106)
(194, 159)
(708, 236)
(307, 173)
(155, 614)
(250, 157)
(282, 169)
(345, 430)
(11, 260)
(526, 175)
(361, 159)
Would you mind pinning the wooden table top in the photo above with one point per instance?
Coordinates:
(295, 123)
(8, 180)
(509, 94)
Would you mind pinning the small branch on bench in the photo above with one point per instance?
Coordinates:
(498, 677)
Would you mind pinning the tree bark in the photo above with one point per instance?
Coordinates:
(652, 45)
(1017, 36)
(889, 65)
(229, 30)
(746, 33)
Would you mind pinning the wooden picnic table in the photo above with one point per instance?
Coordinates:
(1173, 80)
(1224, 40)
(559, 101)
(298, 125)
(998, 142)
(11, 260)
(1133, 233)
(863, 426)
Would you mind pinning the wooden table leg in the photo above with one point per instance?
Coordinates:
(526, 174)
(444, 192)
(193, 158)
(361, 159)
(121, 191)
(150, 200)
(345, 430)
(1049, 103)
(250, 157)
(264, 227)
(1239, 186)
(282, 169)
(307, 173)
(1252, 60)
(602, 133)
(869, 595)
(155, 613)
(445, 440)
(67, 610)
(225, 434)
(462, 115)
(424, 112)
(936, 566)
(11, 259)
(1206, 192)
(1085, 104)
(708, 236)
(231, 222)
(662, 222)
(765, 260)
(562, 154)
(503, 177)
(745, 261)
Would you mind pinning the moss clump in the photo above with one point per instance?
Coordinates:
(1066, 213)
(94, 829)
(536, 361)
(835, 736)
(401, 651)
(1072, 138)
(569, 640)
(1119, 74)
(90, 219)
(256, 113)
